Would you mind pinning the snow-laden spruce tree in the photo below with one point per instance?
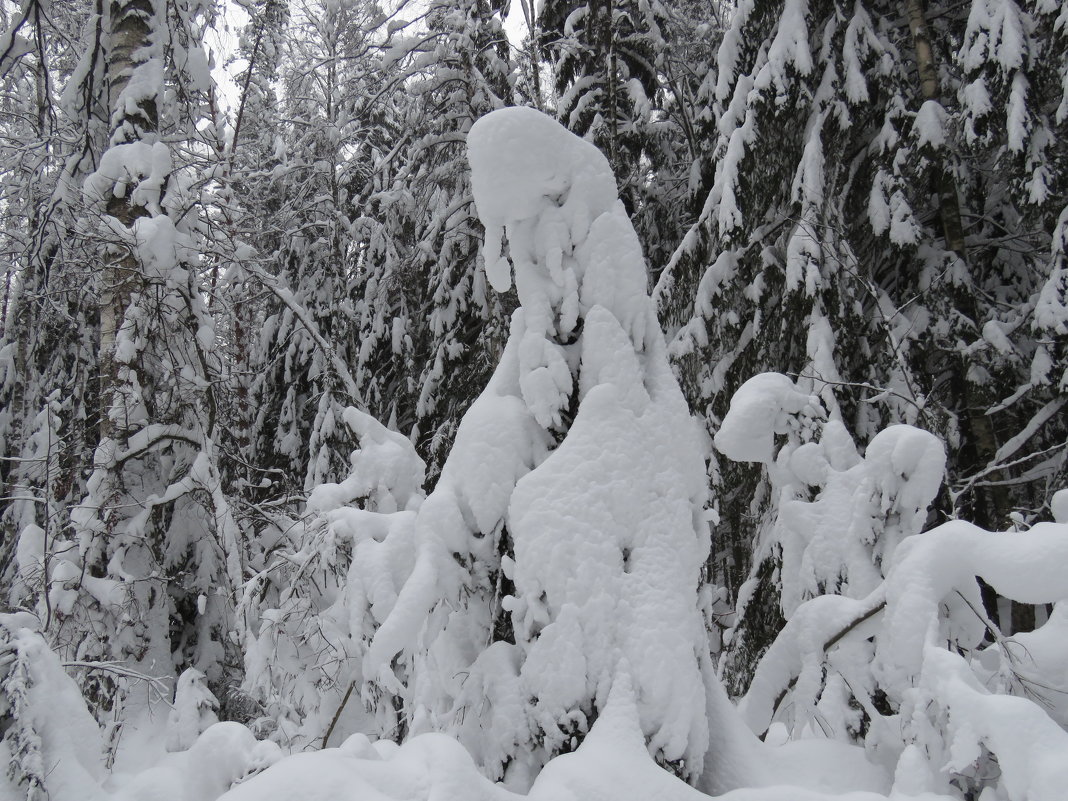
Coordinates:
(563, 544)
(47, 357)
(624, 74)
(606, 59)
(429, 332)
(307, 339)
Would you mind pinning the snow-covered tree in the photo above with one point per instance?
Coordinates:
(886, 640)
(50, 746)
(411, 299)
(429, 331)
(139, 568)
(308, 338)
(316, 600)
(47, 352)
(245, 464)
(553, 560)
(606, 58)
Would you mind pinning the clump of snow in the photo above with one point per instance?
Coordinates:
(1059, 506)
(539, 184)
(193, 712)
(930, 126)
(137, 170)
(386, 475)
(764, 406)
(50, 744)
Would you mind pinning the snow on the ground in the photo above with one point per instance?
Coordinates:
(220, 757)
(612, 764)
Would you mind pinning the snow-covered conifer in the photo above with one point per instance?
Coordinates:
(527, 601)
(307, 342)
(50, 746)
(606, 58)
(430, 332)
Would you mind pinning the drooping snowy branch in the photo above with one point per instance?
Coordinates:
(886, 639)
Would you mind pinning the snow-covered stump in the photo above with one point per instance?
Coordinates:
(562, 547)
(193, 711)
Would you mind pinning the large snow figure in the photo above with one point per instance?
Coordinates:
(563, 544)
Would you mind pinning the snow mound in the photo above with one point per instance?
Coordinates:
(225, 754)
(611, 764)
(761, 408)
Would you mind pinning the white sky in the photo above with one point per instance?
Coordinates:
(222, 42)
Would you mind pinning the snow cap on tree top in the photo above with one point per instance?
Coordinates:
(522, 162)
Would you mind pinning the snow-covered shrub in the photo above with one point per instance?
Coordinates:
(79, 612)
(326, 582)
(50, 746)
(887, 641)
(838, 516)
(834, 517)
(944, 696)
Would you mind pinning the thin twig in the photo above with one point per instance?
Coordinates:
(337, 714)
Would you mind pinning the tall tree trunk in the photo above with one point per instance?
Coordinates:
(949, 207)
(132, 23)
(992, 503)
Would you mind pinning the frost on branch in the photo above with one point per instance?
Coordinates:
(563, 543)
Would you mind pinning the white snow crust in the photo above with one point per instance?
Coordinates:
(611, 763)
